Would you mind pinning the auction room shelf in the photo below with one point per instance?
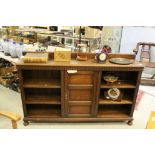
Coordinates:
(53, 92)
(42, 83)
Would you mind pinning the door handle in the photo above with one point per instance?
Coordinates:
(71, 71)
(66, 96)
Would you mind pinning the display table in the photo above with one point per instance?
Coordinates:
(75, 91)
(8, 58)
(8, 73)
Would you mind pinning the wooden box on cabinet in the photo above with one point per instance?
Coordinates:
(74, 92)
(62, 55)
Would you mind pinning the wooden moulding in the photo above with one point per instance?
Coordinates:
(76, 119)
(92, 56)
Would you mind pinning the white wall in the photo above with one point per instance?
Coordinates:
(132, 35)
(111, 35)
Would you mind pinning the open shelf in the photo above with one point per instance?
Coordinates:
(124, 85)
(43, 110)
(126, 99)
(41, 79)
(129, 79)
(123, 101)
(43, 99)
(113, 111)
(42, 83)
(42, 96)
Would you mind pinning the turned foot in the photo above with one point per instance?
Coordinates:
(25, 123)
(14, 124)
(130, 122)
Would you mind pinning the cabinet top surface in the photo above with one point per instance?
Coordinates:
(75, 63)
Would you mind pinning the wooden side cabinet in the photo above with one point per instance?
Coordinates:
(75, 91)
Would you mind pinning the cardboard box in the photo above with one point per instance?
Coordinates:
(92, 33)
(151, 121)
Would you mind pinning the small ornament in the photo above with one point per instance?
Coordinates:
(101, 57)
(113, 94)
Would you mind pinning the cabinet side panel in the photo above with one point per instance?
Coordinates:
(97, 82)
(22, 92)
(136, 92)
(63, 91)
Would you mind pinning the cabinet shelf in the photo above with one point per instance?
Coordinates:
(112, 114)
(42, 83)
(21, 37)
(127, 97)
(44, 111)
(123, 101)
(43, 99)
(113, 111)
(125, 85)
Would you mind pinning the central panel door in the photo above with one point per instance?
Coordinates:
(80, 93)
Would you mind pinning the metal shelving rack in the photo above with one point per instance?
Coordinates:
(90, 41)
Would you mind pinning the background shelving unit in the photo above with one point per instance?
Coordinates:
(27, 36)
(72, 41)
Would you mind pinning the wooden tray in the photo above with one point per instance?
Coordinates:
(121, 61)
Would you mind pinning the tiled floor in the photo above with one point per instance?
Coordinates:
(11, 101)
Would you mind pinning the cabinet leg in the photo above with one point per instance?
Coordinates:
(25, 123)
(14, 124)
(130, 122)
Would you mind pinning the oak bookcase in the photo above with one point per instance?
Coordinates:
(74, 91)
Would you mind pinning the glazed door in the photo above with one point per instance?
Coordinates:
(80, 93)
